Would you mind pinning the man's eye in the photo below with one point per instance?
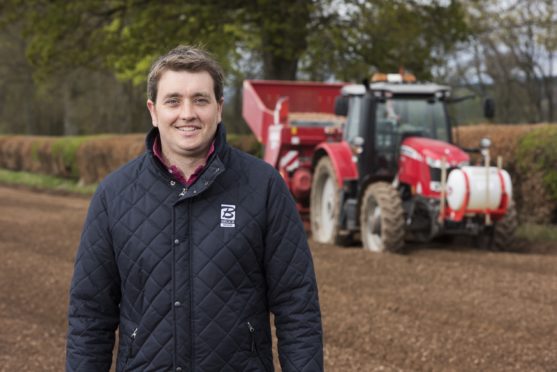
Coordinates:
(201, 101)
(172, 101)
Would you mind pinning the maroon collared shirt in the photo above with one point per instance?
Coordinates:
(177, 174)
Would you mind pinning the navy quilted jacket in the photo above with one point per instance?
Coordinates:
(190, 275)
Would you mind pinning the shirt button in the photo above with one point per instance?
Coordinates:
(177, 304)
(176, 241)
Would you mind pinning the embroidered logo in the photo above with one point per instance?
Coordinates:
(227, 215)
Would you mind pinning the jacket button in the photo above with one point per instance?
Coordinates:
(177, 304)
(172, 183)
(178, 369)
(176, 241)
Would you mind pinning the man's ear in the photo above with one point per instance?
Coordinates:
(153, 112)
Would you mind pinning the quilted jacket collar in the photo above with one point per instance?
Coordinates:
(215, 164)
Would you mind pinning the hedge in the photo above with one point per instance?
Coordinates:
(529, 153)
(537, 166)
(86, 159)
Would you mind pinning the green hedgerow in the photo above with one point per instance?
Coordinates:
(537, 151)
(66, 149)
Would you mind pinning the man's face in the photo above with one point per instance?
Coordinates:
(186, 112)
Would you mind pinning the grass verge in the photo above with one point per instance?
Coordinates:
(533, 232)
(44, 182)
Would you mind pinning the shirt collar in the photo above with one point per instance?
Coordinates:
(176, 173)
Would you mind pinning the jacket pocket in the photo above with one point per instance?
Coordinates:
(131, 347)
(130, 352)
(254, 351)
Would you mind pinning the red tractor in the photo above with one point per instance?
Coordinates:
(375, 162)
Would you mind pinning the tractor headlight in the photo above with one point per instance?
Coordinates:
(357, 145)
(433, 163)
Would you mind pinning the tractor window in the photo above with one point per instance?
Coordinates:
(353, 121)
(423, 116)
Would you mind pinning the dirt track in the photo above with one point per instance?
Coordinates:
(434, 308)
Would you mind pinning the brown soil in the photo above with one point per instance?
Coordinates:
(452, 308)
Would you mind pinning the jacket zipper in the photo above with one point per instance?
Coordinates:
(130, 349)
(132, 342)
(254, 346)
(173, 276)
(192, 339)
(252, 333)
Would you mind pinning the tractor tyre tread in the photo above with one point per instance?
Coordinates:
(392, 215)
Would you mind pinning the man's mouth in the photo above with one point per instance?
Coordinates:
(187, 128)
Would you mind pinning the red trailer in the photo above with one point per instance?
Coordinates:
(291, 119)
(376, 162)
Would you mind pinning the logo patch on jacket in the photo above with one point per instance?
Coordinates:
(227, 215)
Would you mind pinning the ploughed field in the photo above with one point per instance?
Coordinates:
(434, 308)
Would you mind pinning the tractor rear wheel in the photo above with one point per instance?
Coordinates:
(382, 219)
(504, 229)
(325, 203)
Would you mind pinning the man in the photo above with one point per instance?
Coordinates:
(189, 247)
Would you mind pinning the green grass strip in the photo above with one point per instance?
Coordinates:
(41, 181)
(533, 232)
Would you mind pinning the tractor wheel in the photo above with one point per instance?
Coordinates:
(325, 203)
(382, 219)
(504, 229)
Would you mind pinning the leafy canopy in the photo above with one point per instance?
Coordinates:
(327, 38)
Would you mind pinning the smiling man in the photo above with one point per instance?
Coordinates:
(188, 248)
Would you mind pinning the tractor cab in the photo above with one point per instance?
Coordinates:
(381, 115)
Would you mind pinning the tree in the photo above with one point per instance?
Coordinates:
(317, 39)
(388, 35)
(514, 47)
(126, 35)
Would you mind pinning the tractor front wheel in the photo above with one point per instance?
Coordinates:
(382, 219)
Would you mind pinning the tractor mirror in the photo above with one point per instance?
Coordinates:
(485, 143)
(341, 105)
(357, 145)
(489, 108)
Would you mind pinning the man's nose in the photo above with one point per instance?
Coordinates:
(187, 110)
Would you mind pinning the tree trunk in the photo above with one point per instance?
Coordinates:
(70, 125)
(278, 68)
(284, 30)
(549, 81)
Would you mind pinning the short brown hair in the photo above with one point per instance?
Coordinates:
(185, 58)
